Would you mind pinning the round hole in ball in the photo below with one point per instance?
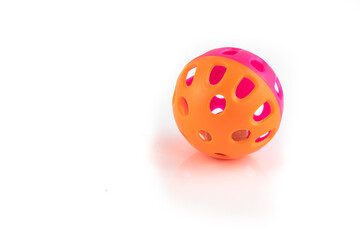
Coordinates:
(240, 135)
(262, 112)
(244, 88)
(230, 52)
(221, 155)
(257, 65)
(217, 74)
(183, 106)
(205, 136)
(217, 104)
(190, 76)
(262, 137)
(278, 89)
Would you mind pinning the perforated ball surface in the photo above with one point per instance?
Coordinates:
(228, 103)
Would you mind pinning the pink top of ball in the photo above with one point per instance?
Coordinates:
(256, 64)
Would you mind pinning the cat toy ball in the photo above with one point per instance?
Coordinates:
(228, 103)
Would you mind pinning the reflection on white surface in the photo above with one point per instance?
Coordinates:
(202, 183)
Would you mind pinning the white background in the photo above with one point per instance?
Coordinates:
(89, 148)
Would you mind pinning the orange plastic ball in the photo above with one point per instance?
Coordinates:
(228, 103)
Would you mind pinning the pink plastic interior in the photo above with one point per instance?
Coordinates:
(216, 103)
(189, 81)
(217, 74)
(230, 52)
(244, 88)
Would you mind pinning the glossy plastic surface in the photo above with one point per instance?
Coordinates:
(230, 107)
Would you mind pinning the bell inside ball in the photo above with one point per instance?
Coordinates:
(228, 103)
